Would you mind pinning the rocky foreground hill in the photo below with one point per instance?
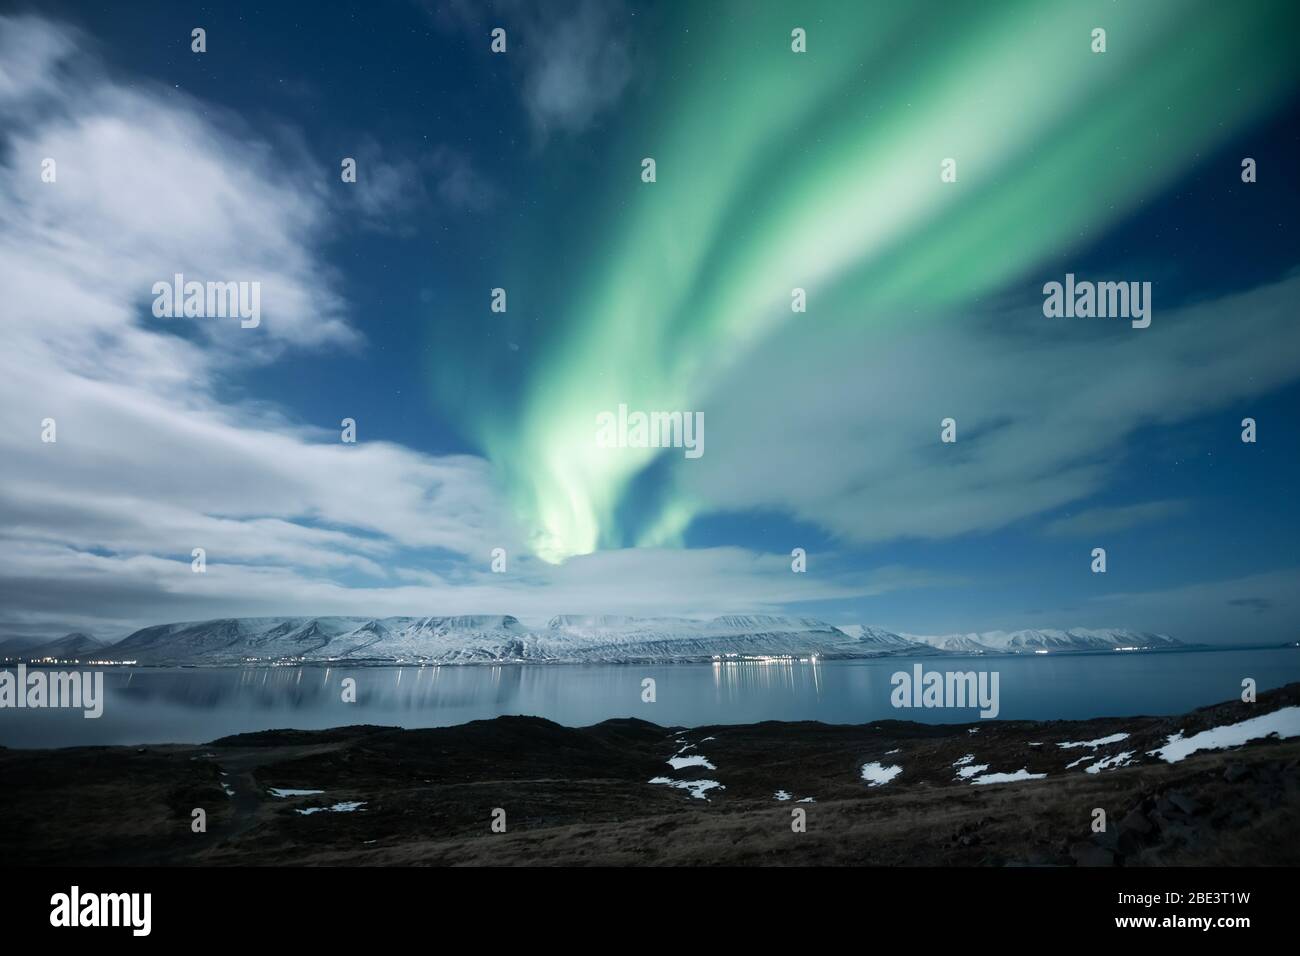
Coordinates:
(1220, 785)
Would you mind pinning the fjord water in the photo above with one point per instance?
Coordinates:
(194, 705)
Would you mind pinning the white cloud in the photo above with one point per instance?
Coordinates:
(575, 55)
(840, 426)
(1094, 521)
(149, 463)
(29, 57)
(579, 67)
(390, 187)
(115, 594)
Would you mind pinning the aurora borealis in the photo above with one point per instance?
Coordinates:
(775, 171)
(820, 171)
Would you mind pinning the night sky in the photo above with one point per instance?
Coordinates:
(775, 170)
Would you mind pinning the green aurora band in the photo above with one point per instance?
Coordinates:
(821, 171)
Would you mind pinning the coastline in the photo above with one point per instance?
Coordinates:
(650, 661)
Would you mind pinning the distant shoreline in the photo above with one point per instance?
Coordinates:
(660, 662)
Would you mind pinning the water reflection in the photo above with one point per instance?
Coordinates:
(196, 704)
(733, 679)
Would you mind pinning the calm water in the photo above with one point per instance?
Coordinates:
(148, 705)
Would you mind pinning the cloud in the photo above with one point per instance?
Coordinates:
(1096, 521)
(145, 189)
(574, 55)
(48, 587)
(390, 189)
(840, 426)
(578, 68)
(149, 462)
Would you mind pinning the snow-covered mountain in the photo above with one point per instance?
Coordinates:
(485, 639)
(673, 638)
(1034, 641)
(69, 647)
(878, 637)
(464, 639)
(474, 639)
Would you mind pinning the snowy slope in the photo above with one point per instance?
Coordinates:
(236, 640)
(1033, 641)
(878, 637)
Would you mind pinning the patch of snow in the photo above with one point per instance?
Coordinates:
(806, 800)
(345, 807)
(277, 792)
(780, 795)
(962, 761)
(965, 773)
(1284, 723)
(1093, 744)
(896, 750)
(1008, 777)
(230, 791)
(697, 787)
(696, 760)
(1111, 762)
(877, 775)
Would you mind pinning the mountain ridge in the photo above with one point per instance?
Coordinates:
(565, 638)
